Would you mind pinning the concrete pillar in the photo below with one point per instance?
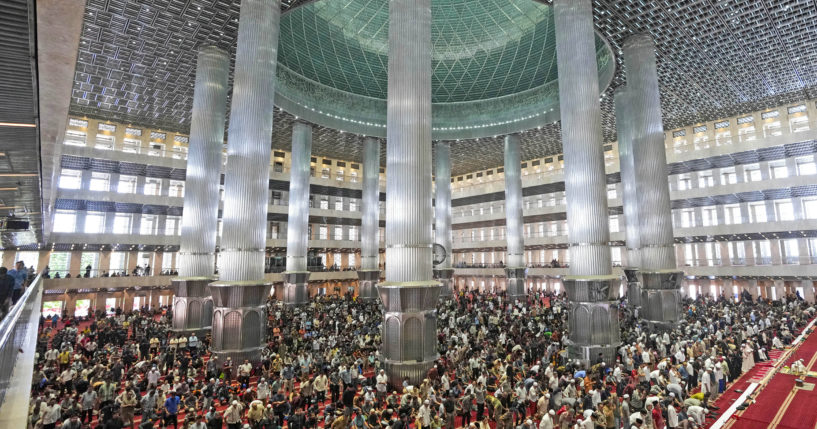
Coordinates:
(296, 277)
(104, 262)
(515, 262)
(624, 128)
(660, 279)
(593, 314)
(140, 185)
(369, 273)
(239, 318)
(136, 223)
(409, 331)
(808, 290)
(443, 272)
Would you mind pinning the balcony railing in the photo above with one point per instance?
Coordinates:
(18, 342)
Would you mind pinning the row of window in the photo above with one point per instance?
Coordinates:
(121, 223)
(101, 182)
(779, 169)
(129, 145)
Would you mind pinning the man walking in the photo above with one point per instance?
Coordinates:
(19, 274)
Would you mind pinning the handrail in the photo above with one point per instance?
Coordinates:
(18, 342)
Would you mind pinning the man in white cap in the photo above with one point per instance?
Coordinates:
(232, 415)
(424, 414)
(547, 420)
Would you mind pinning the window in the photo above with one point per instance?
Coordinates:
(74, 138)
(757, 211)
(352, 205)
(324, 173)
(728, 176)
(100, 182)
(148, 225)
(732, 214)
(179, 151)
(70, 179)
(812, 250)
(94, 223)
(779, 169)
(324, 203)
(763, 252)
(810, 208)
(689, 254)
(784, 210)
(806, 166)
(323, 233)
(156, 149)
(701, 141)
(614, 224)
(153, 186)
(353, 233)
(687, 218)
(772, 128)
(713, 253)
(121, 224)
(104, 142)
(611, 191)
(65, 221)
(705, 180)
(59, 262)
(339, 204)
(131, 145)
(338, 233)
(723, 137)
(339, 176)
(89, 259)
(737, 252)
(684, 182)
(752, 173)
(791, 252)
(176, 188)
(352, 260)
(747, 133)
(353, 177)
(798, 123)
(709, 216)
(173, 225)
(127, 185)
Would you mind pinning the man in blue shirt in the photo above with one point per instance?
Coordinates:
(20, 275)
(172, 408)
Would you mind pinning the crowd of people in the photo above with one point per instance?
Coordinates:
(502, 365)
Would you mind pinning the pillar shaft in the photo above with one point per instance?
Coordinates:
(296, 276)
(369, 273)
(442, 217)
(240, 294)
(409, 294)
(192, 305)
(593, 315)
(660, 280)
(513, 219)
(624, 128)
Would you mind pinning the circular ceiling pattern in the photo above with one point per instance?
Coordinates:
(494, 66)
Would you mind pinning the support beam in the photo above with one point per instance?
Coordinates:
(515, 262)
(410, 293)
(239, 297)
(591, 287)
(443, 272)
(660, 278)
(624, 128)
(192, 305)
(369, 273)
(296, 277)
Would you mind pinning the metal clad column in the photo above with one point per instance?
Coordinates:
(200, 216)
(660, 279)
(369, 273)
(409, 294)
(296, 277)
(591, 289)
(515, 263)
(624, 127)
(442, 217)
(240, 294)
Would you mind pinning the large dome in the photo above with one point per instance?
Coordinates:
(493, 61)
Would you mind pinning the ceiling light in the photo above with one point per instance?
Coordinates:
(17, 125)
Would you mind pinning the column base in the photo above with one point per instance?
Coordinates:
(192, 306)
(515, 290)
(398, 370)
(445, 276)
(296, 287)
(409, 329)
(238, 356)
(239, 320)
(661, 298)
(592, 318)
(367, 285)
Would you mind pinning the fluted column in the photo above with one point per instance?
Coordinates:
(515, 261)
(410, 293)
(239, 296)
(591, 287)
(442, 218)
(660, 278)
(624, 128)
(369, 273)
(296, 277)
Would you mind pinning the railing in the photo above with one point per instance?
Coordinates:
(749, 262)
(57, 274)
(18, 342)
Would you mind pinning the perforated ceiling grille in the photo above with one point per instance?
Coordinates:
(715, 59)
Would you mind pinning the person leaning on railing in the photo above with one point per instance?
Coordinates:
(6, 290)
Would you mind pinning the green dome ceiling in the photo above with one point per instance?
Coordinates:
(491, 58)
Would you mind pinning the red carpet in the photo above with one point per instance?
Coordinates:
(779, 405)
